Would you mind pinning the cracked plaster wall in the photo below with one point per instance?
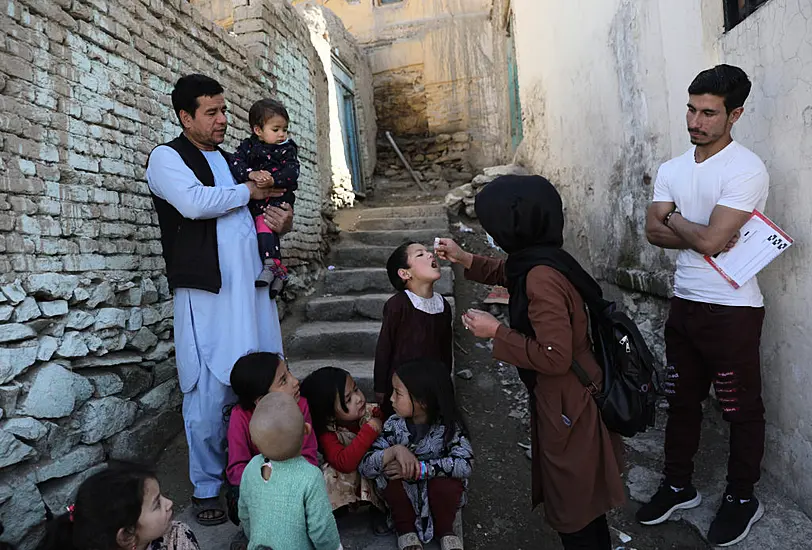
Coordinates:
(603, 99)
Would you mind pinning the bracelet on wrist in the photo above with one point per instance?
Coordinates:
(668, 216)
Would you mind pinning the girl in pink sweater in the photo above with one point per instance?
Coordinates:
(254, 376)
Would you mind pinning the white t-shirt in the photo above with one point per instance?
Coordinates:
(734, 177)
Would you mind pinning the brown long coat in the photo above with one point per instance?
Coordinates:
(576, 470)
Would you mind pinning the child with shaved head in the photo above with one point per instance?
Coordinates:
(283, 498)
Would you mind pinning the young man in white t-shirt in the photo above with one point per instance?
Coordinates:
(701, 200)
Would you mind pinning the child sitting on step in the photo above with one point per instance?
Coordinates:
(346, 427)
(422, 460)
(283, 499)
(254, 376)
(269, 155)
(416, 320)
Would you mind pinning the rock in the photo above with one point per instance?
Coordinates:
(163, 287)
(100, 418)
(14, 292)
(461, 176)
(136, 380)
(61, 439)
(22, 508)
(13, 361)
(73, 345)
(150, 316)
(14, 332)
(143, 340)
(109, 360)
(54, 392)
(95, 344)
(165, 396)
(115, 343)
(470, 211)
(146, 439)
(54, 308)
(13, 451)
(52, 285)
(79, 459)
(57, 494)
(461, 137)
(130, 297)
(5, 313)
(136, 319)
(149, 292)
(80, 295)
(494, 172)
(25, 428)
(162, 350)
(101, 294)
(110, 317)
(105, 384)
(163, 371)
(8, 396)
(28, 310)
(79, 320)
(166, 310)
(465, 374)
(47, 347)
(443, 138)
(480, 180)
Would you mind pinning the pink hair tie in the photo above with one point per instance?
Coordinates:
(71, 509)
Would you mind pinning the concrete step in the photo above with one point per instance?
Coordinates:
(359, 255)
(345, 308)
(416, 211)
(436, 223)
(350, 339)
(374, 279)
(393, 238)
(356, 533)
(361, 371)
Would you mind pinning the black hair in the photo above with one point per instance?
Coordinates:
(252, 375)
(320, 388)
(429, 383)
(399, 259)
(725, 81)
(190, 87)
(106, 502)
(265, 109)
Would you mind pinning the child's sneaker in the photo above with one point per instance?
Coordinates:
(665, 502)
(280, 276)
(265, 277)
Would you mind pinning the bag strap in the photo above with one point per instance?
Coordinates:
(583, 377)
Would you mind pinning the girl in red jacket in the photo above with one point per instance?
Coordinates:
(346, 427)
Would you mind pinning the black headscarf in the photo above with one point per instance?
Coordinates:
(525, 217)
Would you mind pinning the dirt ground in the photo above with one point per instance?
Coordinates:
(498, 515)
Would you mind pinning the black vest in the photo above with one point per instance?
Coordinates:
(189, 246)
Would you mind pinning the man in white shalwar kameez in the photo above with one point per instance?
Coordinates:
(214, 329)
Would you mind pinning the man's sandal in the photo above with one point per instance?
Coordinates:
(409, 541)
(209, 511)
(451, 542)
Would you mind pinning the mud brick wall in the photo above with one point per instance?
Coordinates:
(87, 369)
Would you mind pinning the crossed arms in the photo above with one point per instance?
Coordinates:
(719, 235)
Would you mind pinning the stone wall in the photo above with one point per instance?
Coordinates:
(603, 90)
(86, 355)
(442, 157)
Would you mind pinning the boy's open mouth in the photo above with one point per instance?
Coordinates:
(434, 264)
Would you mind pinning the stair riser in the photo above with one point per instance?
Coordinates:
(340, 282)
(419, 211)
(360, 256)
(393, 238)
(326, 344)
(361, 308)
(401, 224)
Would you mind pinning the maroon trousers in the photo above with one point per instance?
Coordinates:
(444, 501)
(711, 344)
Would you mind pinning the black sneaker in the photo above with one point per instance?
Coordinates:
(734, 520)
(667, 501)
